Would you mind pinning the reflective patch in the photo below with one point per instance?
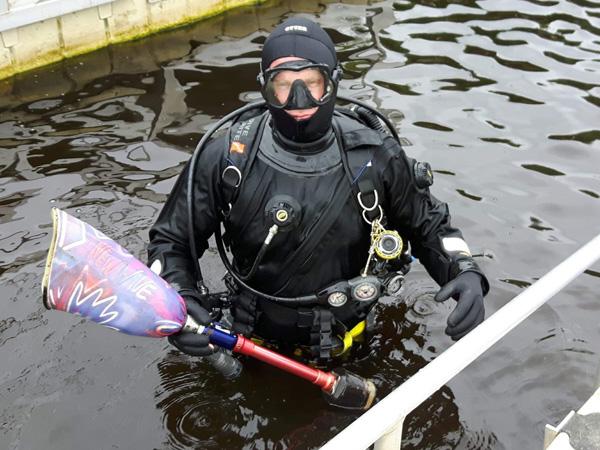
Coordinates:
(455, 245)
(237, 147)
(156, 267)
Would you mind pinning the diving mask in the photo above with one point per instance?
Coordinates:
(298, 85)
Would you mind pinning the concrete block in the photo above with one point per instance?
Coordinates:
(6, 70)
(6, 65)
(53, 39)
(82, 31)
(105, 11)
(167, 13)
(5, 57)
(38, 44)
(206, 8)
(129, 20)
(10, 38)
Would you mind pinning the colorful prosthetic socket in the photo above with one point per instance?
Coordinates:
(89, 274)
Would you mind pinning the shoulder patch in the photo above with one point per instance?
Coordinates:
(237, 147)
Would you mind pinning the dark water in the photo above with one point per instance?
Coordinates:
(502, 97)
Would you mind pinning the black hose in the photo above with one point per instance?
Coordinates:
(370, 119)
(257, 260)
(298, 300)
(387, 121)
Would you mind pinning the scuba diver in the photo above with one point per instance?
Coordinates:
(316, 203)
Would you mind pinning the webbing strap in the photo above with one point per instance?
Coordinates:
(241, 150)
(322, 330)
(361, 179)
(349, 336)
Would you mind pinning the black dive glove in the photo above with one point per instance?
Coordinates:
(192, 343)
(467, 290)
(243, 310)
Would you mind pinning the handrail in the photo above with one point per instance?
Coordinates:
(387, 415)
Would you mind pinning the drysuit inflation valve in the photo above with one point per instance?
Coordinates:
(284, 211)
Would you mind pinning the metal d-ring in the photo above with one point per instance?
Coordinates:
(370, 222)
(370, 208)
(237, 172)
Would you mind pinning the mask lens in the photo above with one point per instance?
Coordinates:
(297, 87)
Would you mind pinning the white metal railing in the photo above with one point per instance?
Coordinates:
(382, 424)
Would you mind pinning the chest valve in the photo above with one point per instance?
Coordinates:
(284, 211)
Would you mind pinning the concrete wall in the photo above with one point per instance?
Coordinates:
(38, 32)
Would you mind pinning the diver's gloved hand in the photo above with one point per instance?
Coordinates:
(244, 312)
(466, 289)
(192, 343)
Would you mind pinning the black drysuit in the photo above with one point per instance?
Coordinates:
(340, 252)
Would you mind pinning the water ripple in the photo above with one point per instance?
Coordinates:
(502, 98)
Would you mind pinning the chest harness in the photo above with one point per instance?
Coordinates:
(386, 263)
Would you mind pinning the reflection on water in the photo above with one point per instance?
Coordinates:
(502, 98)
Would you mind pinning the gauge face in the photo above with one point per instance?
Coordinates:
(389, 245)
(337, 299)
(394, 285)
(365, 291)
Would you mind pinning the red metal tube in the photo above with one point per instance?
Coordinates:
(325, 380)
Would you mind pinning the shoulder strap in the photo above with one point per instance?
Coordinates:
(241, 148)
(357, 152)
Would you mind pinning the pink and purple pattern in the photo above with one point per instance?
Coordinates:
(89, 274)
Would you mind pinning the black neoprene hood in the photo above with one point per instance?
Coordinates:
(302, 38)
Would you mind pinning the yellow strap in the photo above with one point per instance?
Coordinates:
(358, 329)
(347, 340)
(349, 336)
